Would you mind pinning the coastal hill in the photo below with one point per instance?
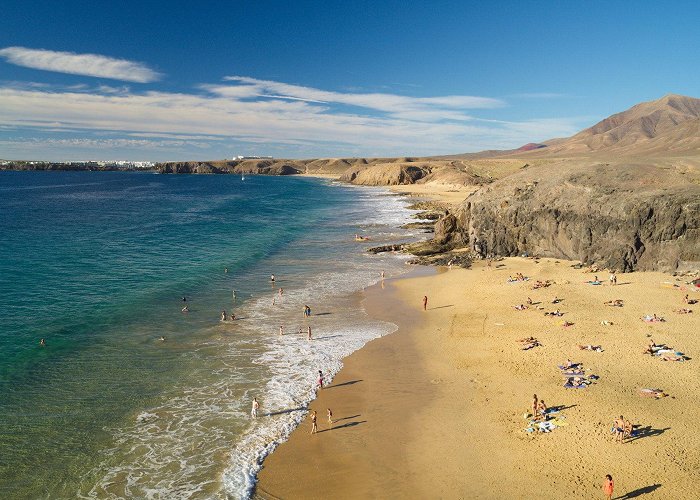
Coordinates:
(669, 124)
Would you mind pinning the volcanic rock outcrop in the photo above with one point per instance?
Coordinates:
(625, 217)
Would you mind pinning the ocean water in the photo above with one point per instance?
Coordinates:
(98, 263)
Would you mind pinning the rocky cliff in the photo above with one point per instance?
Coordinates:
(625, 216)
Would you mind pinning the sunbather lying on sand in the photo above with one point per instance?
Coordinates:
(575, 383)
(556, 300)
(567, 324)
(652, 347)
(542, 284)
(554, 313)
(529, 343)
(589, 347)
(653, 319)
(614, 303)
(683, 311)
(672, 357)
(605, 322)
(652, 393)
(520, 307)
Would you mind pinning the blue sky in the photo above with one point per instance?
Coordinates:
(159, 80)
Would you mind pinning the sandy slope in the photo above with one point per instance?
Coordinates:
(437, 411)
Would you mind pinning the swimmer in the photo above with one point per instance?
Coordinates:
(184, 299)
(185, 309)
(234, 294)
(161, 338)
(226, 270)
(272, 278)
(42, 343)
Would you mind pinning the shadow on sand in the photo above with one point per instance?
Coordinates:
(349, 424)
(344, 383)
(440, 307)
(642, 432)
(639, 492)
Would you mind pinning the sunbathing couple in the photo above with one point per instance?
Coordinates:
(684, 310)
(542, 284)
(520, 307)
(663, 351)
(554, 313)
(653, 319)
(614, 303)
(589, 347)
(621, 428)
(529, 343)
(518, 277)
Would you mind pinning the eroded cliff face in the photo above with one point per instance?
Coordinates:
(625, 217)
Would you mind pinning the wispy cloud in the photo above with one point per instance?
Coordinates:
(80, 64)
(389, 103)
(276, 117)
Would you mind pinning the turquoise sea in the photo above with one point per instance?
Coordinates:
(98, 263)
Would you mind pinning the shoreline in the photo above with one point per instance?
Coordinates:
(445, 417)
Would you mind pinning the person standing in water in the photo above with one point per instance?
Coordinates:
(425, 302)
(281, 330)
(272, 278)
(223, 315)
(254, 408)
(320, 380)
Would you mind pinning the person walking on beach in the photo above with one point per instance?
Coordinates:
(425, 302)
(308, 333)
(314, 429)
(330, 418)
(254, 408)
(608, 486)
(320, 380)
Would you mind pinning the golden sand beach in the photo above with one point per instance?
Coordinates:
(436, 410)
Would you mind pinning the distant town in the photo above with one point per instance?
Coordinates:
(76, 165)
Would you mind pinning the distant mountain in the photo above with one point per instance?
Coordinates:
(669, 124)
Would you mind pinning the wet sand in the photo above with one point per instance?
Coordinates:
(436, 409)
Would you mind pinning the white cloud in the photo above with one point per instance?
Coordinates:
(80, 64)
(305, 120)
(377, 101)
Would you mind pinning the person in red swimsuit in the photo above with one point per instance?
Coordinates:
(608, 486)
